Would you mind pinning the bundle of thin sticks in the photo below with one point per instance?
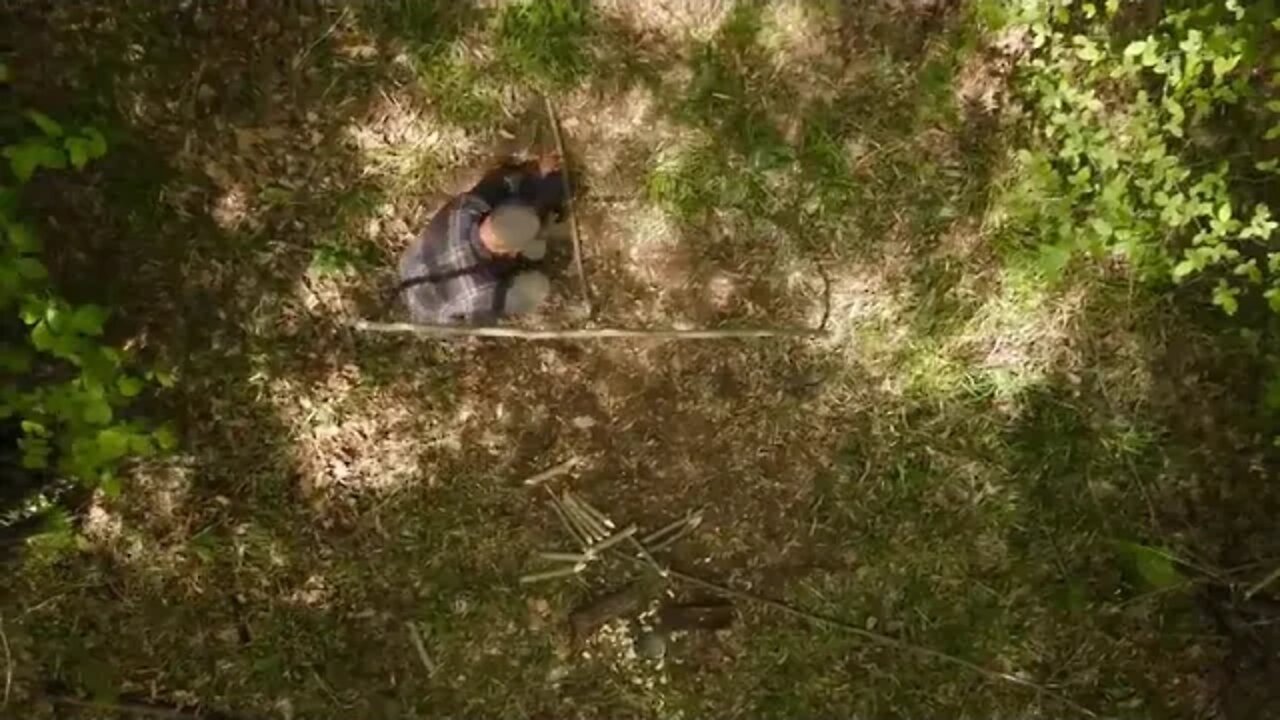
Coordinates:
(595, 533)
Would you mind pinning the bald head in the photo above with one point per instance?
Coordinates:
(510, 229)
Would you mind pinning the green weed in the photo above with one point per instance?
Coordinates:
(545, 40)
(425, 26)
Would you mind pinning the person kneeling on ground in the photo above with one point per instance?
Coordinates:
(478, 258)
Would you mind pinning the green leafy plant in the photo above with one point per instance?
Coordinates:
(1125, 158)
(65, 389)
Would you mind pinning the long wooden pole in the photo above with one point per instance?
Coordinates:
(446, 331)
(568, 204)
(875, 637)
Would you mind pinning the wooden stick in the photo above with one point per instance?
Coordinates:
(582, 333)
(584, 525)
(600, 518)
(694, 521)
(576, 509)
(613, 539)
(569, 527)
(566, 557)
(875, 637)
(665, 529)
(552, 472)
(568, 204)
(421, 647)
(643, 552)
(565, 571)
(1263, 583)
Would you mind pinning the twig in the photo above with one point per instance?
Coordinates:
(669, 528)
(613, 539)
(1258, 586)
(582, 333)
(552, 472)
(568, 204)
(600, 518)
(566, 557)
(693, 522)
(586, 528)
(297, 61)
(8, 665)
(866, 634)
(552, 574)
(595, 529)
(127, 709)
(647, 556)
(568, 524)
(421, 647)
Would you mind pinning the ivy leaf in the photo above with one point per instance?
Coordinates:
(165, 438)
(110, 486)
(97, 412)
(26, 158)
(1150, 55)
(31, 268)
(1223, 65)
(1151, 566)
(47, 125)
(88, 320)
(165, 378)
(1224, 296)
(1089, 53)
(129, 386)
(1185, 268)
(1273, 299)
(35, 453)
(77, 151)
(42, 338)
(113, 443)
(31, 427)
(97, 143)
(141, 445)
(1249, 270)
(1135, 48)
(22, 238)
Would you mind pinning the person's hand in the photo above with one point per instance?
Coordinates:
(549, 163)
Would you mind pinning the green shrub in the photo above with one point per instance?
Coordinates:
(65, 388)
(1131, 154)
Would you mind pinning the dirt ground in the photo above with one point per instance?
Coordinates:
(959, 462)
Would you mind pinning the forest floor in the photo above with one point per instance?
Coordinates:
(1040, 478)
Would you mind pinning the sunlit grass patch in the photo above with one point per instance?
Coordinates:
(425, 27)
(545, 40)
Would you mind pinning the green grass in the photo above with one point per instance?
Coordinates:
(545, 40)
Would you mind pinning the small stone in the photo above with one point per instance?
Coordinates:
(651, 645)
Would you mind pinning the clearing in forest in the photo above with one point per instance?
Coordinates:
(972, 459)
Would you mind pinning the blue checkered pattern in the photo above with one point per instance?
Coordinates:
(450, 249)
(468, 281)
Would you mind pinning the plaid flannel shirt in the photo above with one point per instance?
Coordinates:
(468, 283)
